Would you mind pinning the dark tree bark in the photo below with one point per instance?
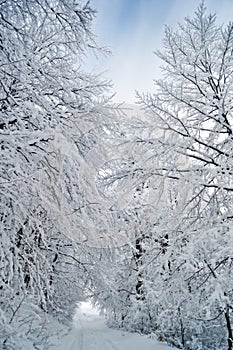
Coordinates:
(229, 329)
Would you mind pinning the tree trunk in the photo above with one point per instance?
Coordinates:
(138, 257)
(229, 329)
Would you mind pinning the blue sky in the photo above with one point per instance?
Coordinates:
(133, 29)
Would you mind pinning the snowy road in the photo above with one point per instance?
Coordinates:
(91, 333)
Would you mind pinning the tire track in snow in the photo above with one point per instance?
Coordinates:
(81, 340)
(80, 328)
(112, 346)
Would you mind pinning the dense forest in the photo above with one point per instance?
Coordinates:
(130, 209)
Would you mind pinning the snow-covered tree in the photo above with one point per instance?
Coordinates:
(193, 106)
(44, 92)
(143, 209)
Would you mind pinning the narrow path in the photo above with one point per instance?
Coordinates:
(90, 333)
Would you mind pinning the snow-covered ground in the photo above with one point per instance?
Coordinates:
(90, 332)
